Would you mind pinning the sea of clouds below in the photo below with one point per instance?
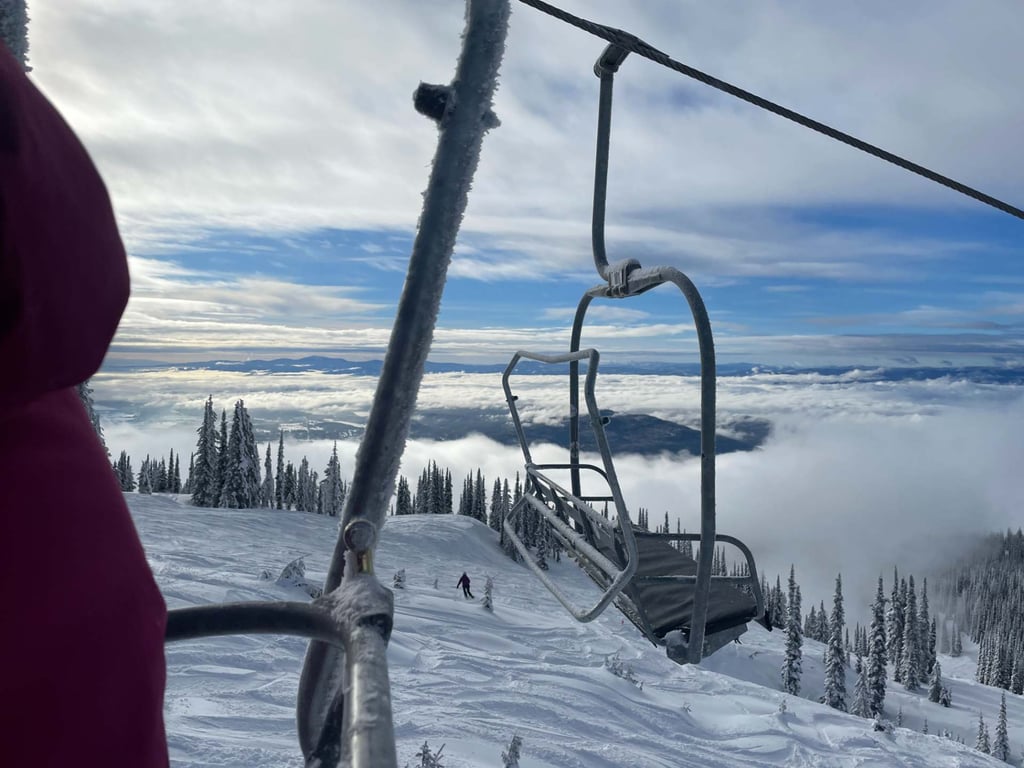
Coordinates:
(856, 476)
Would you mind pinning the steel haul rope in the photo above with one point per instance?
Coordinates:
(634, 44)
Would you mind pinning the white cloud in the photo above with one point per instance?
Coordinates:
(211, 114)
(857, 476)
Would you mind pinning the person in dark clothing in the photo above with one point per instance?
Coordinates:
(464, 583)
(82, 651)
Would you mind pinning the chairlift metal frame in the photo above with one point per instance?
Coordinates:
(626, 279)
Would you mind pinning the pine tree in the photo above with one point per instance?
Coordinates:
(876, 668)
(945, 697)
(83, 389)
(14, 30)
(289, 486)
(957, 646)
(480, 498)
(935, 687)
(176, 475)
(447, 499)
(792, 666)
(811, 624)
(222, 458)
(403, 497)
(488, 602)
(510, 758)
(334, 493)
(241, 484)
(925, 632)
(1001, 745)
(267, 492)
(835, 654)
(124, 472)
(981, 741)
(494, 520)
(542, 549)
(1017, 676)
(894, 628)
(861, 695)
(203, 477)
(279, 477)
(428, 758)
(910, 672)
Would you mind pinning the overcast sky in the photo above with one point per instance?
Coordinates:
(266, 166)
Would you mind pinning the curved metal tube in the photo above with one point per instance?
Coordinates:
(639, 281)
(628, 278)
(254, 618)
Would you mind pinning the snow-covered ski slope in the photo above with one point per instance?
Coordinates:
(469, 679)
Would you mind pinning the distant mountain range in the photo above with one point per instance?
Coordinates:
(627, 432)
(1010, 374)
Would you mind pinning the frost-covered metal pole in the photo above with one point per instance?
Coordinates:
(359, 694)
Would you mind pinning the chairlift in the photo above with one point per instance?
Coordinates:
(344, 702)
(674, 600)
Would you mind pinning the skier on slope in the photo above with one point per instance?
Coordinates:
(464, 583)
(82, 644)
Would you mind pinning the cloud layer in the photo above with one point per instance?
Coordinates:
(857, 476)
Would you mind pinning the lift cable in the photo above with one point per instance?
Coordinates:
(633, 44)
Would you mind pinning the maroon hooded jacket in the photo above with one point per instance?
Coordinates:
(81, 619)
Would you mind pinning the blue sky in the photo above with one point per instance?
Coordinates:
(266, 166)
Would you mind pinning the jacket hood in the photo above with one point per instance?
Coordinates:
(63, 270)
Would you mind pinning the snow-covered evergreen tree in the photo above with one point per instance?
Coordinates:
(811, 624)
(910, 671)
(83, 389)
(981, 740)
(494, 519)
(124, 472)
(240, 482)
(1017, 676)
(945, 697)
(14, 30)
(935, 686)
(894, 627)
(835, 654)
(957, 644)
(926, 638)
(488, 602)
(267, 492)
(510, 757)
(792, 665)
(877, 654)
(542, 548)
(861, 696)
(334, 490)
(399, 580)
(1001, 745)
(403, 497)
(429, 758)
(279, 477)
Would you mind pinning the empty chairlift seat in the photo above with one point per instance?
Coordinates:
(646, 575)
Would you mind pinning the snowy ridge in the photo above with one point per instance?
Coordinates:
(469, 679)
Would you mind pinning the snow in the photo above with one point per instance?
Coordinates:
(470, 679)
